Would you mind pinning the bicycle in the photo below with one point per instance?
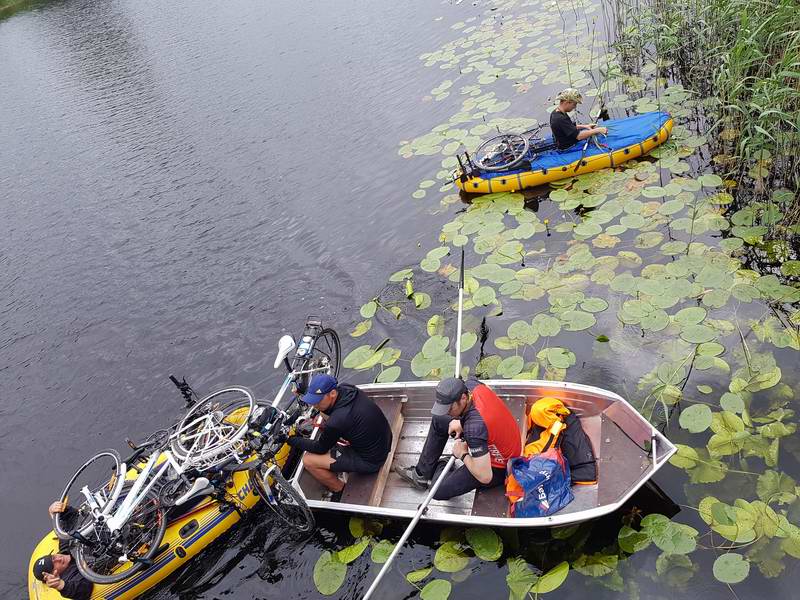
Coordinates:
(121, 521)
(113, 528)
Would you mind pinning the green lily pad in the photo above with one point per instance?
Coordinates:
(486, 544)
(450, 557)
(710, 180)
(510, 366)
(576, 320)
(438, 589)
(418, 575)
(696, 418)
(329, 574)
(670, 537)
(697, 334)
(468, 340)
(362, 328)
(731, 568)
(381, 551)
(594, 305)
(596, 565)
(632, 541)
(484, 296)
(430, 265)
(388, 375)
(551, 580)
(368, 310)
(352, 552)
(546, 326)
(520, 578)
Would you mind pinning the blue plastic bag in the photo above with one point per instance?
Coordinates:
(540, 485)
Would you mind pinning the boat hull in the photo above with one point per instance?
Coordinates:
(575, 163)
(629, 451)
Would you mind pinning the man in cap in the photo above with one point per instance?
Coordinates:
(565, 132)
(351, 417)
(489, 437)
(58, 571)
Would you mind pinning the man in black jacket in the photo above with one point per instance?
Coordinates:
(355, 422)
(565, 132)
(58, 571)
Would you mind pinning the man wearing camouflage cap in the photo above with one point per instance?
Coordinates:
(488, 434)
(565, 132)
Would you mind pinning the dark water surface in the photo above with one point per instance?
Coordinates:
(180, 184)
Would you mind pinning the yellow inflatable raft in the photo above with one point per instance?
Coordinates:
(184, 538)
(627, 139)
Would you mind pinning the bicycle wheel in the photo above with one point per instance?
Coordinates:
(99, 476)
(214, 427)
(282, 499)
(325, 357)
(110, 559)
(501, 152)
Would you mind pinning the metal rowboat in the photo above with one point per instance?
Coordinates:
(628, 448)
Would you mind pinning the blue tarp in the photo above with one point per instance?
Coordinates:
(621, 134)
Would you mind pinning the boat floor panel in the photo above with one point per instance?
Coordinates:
(620, 463)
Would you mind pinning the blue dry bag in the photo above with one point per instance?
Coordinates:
(542, 484)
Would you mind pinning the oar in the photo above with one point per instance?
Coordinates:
(424, 506)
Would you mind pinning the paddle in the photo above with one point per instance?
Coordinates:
(424, 506)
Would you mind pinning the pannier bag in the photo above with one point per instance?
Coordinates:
(539, 485)
(550, 420)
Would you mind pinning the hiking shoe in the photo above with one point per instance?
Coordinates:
(410, 475)
(329, 496)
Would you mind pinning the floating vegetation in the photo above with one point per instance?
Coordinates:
(666, 271)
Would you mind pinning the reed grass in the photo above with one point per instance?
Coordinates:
(742, 57)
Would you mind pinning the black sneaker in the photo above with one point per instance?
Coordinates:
(410, 475)
(329, 496)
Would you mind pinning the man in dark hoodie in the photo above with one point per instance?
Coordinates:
(58, 571)
(356, 437)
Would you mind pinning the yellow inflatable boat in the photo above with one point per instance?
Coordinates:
(627, 139)
(186, 535)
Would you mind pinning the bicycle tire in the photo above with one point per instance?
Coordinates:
(287, 504)
(241, 407)
(60, 527)
(327, 351)
(516, 144)
(89, 564)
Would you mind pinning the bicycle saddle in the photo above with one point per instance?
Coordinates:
(201, 487)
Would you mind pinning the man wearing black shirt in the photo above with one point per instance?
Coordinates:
(58, 571)
(565, 132)
(352, 417)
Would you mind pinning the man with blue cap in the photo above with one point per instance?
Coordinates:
(352, 418)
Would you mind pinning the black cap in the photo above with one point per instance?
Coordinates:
(43, 564)
(448, 391)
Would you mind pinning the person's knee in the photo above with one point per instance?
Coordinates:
(315, 461)
(442, 494)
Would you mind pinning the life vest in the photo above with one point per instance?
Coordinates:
(551, 423)
(504, 435)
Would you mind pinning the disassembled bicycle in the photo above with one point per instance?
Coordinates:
(118, 524)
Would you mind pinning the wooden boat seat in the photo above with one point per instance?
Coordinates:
(492, 502)
(367, 488)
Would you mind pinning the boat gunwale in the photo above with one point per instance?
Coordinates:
(500, 386)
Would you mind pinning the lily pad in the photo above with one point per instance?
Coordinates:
(329, 574)
(696, 418)
(389, 375)
(418, 575)
(731, 568)
(368, 310)
(510, 366)
(551, 580)
(381, 551)
(450, 557)
(362, 328)
(520, 578)
(697, 334)
(486, 544)
(438, 589)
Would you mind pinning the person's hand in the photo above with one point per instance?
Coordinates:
(603, 130)
(460, 449)
(56, 507)
(454, 428)
(53, 581)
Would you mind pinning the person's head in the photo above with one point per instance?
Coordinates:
(452, 397)
(568, 99)
(322, 392)
(55, 564)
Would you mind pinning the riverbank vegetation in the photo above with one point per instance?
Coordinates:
(742, 59)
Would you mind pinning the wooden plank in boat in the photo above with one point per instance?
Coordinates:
(367, 488)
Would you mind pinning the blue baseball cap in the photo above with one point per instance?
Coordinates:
(320, 385)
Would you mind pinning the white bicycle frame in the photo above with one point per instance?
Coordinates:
(142, 486)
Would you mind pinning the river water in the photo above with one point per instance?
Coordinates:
(181, 185)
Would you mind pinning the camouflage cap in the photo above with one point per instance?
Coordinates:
(570, 95)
